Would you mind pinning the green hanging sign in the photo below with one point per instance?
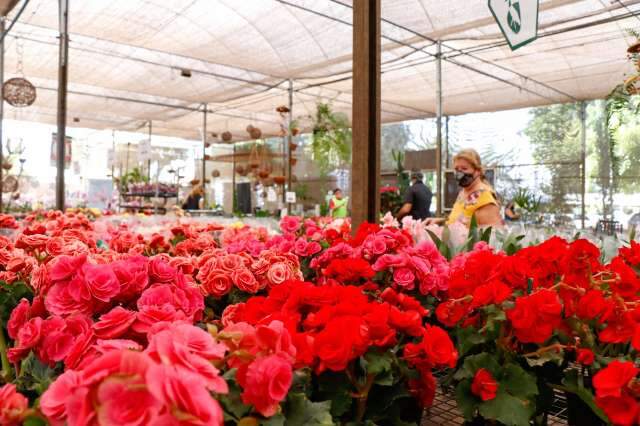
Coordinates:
(517, 19)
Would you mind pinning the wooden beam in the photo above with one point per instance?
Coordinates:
(365, 169)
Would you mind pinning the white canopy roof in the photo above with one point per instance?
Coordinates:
(126, 58)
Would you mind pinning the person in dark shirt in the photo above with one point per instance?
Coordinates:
(417, 199)
(194, 200)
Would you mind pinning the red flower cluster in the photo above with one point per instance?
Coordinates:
(484, 385)
(618, 393)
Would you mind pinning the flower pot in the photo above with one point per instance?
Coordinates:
(293, 146)
(227, 136)
(579, 413)
(279, 180)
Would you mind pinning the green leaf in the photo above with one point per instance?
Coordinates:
(36, 376)
(475, 362)
(518, 382)
(337, 388)
(467, 403)
(467, 338)
(302, 412)
(232, 402)
(550, 356)
(34, 421)
(277, 420)
(377, 362)
(508, 409)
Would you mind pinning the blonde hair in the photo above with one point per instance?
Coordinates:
(472, 157)
(197, 190)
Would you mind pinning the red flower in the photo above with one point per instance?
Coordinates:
(593, 305)
(535, 317)
(450, 312)
(349, 270)
(611, 380)
(438, 347)
(13, 406)
(115, 323)
(488, 294)
(585, 356)
(265, 383)
(621, 410)
(484, 385)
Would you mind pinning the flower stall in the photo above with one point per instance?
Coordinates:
(191, 322)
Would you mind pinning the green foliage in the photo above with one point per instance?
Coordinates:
(134, 176)
(331, 139)
(300, 411)
(36, 377)
(527, 200)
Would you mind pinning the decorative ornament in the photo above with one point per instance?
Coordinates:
(18, 91)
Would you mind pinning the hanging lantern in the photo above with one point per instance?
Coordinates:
(19, 92)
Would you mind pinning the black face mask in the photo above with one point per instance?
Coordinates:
(464, 179)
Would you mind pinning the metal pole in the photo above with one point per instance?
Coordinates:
(63, 71)
(289, 142)
(2, 29)
(439, 129)
(447, 165)
(583, 146)
(149, 160)
(284, 166)
(233, 182)
(204, 157)
(113, 156)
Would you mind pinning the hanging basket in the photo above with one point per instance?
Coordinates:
(227, 137)
(282, 109)
(7, 165)
(215, 173)
(19, 92)
(279, 180)
(295, 131)
(254, 157)
(10, 184)
(267, 181)
(194, 182)
(242, 171)
(293, 146)
(293, 161)
(263, 174)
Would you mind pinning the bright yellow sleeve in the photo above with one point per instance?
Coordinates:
(486, 198)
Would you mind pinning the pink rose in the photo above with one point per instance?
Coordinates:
(28, 337)
(101, 281)
(275, 339)
(31, 242)
(64, 267)
(245, 281)
(279, 273)
(405, 278)
(161, 272)
(217, 283)
(231, 262)
(57, 341)
(19, 316)
(40, 281)
(55, 246)
(290, 224)
(167, 303)
(185, 394)
(387, 261)
(67, 298)
(54, 400)
(78, 326)
(266, 383)
(13, 406)
(126, 401)
(133, 275)
(115, 323)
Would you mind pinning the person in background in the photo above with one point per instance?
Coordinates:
(417, 199)
(195, 199)
(338, 204)
(510, 213)
(476, 196)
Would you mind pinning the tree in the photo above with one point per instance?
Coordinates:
(554, 133)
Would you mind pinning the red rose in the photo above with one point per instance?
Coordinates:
(611, 380)
(245, 280)
(450, 313)
(585, 356)
(621, 410)
(484, 385)
(115, 323)
(439, 348)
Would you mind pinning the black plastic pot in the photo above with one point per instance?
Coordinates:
(579, 413)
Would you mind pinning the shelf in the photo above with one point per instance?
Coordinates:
(150, 195)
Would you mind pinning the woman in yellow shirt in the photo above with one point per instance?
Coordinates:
(476, 196)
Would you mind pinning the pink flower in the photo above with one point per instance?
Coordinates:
(80, 327)
(115, 323)
(67, 298)
(19, 316)
(217, 283)
(185, 396)
(266, 383)
(245, 281)
(28, 337)
(126, 401)
(12, 406)
(275, 339)
(64, 267)
(133, 276)
(167, 303)
(161, 272)
(290, 224)
(279, 273)
(101, 281)
(405, 278)
(54, 400)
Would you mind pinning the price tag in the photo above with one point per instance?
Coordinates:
(290, 197)
(272, 197)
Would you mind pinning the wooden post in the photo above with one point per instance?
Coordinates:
(2, 29)
(365, 174)
(583, 160)
(204, 157)
(439, 203)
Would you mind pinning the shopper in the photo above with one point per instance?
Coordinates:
(195, 199)
(338, 204)
(510, 213)
(476, 197)
(417, 199)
